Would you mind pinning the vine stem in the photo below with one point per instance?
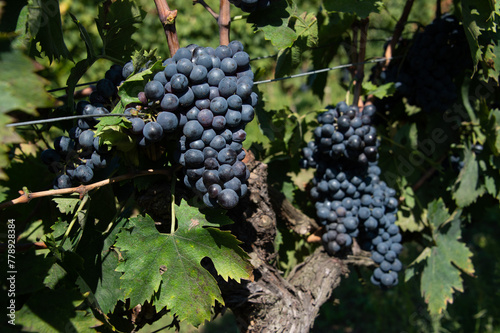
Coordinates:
(82, 189)
(208, 8)
(398, 30)
(167, 19)
(360, 71)
(172, 209)
(75, 217)
(224, 21)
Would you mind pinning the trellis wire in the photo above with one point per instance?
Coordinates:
(41, 121)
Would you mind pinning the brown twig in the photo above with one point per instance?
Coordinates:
(427, 174)
(167, 19)
(208, 8)
(398, 30)
(82, 189)
(224, 21)
(360, 71)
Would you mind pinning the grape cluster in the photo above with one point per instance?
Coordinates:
(426, 74)
(205, 94)
(249, 6)
(350, 199)
(76, 156)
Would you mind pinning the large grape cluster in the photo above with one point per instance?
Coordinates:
(350, 199)
(75, 157)
(436, 56)
(202, 98)
(206, 94)
(251, 5)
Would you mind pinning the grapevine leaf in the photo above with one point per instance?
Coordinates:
(361, 8)
(385, 90)
(85, 37)
(437, 213)
(44, 25)
(134, 84)
(168, 266)
(116, 23)
(415, 267)
(273, 22)
(467, 187)
(67, 205)
(55, 311)
(102, 284)
(480, 20)
(17, 77)
(20, 90)
(441, 274)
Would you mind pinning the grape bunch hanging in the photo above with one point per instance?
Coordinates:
(351, 200)
(203, 99)
(77, 156)
(436, 56)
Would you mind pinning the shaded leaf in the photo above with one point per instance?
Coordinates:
(116, 23)
(55, 311)
(273, 22)
(67, 205)
(44, 26)
(441, 274)
(467, 187)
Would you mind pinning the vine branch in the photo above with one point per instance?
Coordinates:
(208, 8)
(26, 197)
(398, 30)
(360, 71)
(167, 19)
(224, 21)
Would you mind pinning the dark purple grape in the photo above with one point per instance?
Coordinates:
(228, 199)
(154, 90)
(153, 131)
(168, 121)
(84, 173)
(193, 130)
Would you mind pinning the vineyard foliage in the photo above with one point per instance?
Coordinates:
(86, 260)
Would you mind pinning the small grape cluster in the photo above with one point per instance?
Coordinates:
(76, 156)
(350, 199)
(249, 6)
(426, 75)
(206, 94)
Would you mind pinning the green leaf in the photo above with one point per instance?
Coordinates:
(437, 213)
(481, 20)
(116, 24)
(467, 187)
(134, 84)
(20, 88)
(99, 277)
(166, 268)
(67, 205)
(441, 274)
(382, 91)
(85, 37)
(361, 8)
(273, 22)
(56, 310)
(44, 25)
